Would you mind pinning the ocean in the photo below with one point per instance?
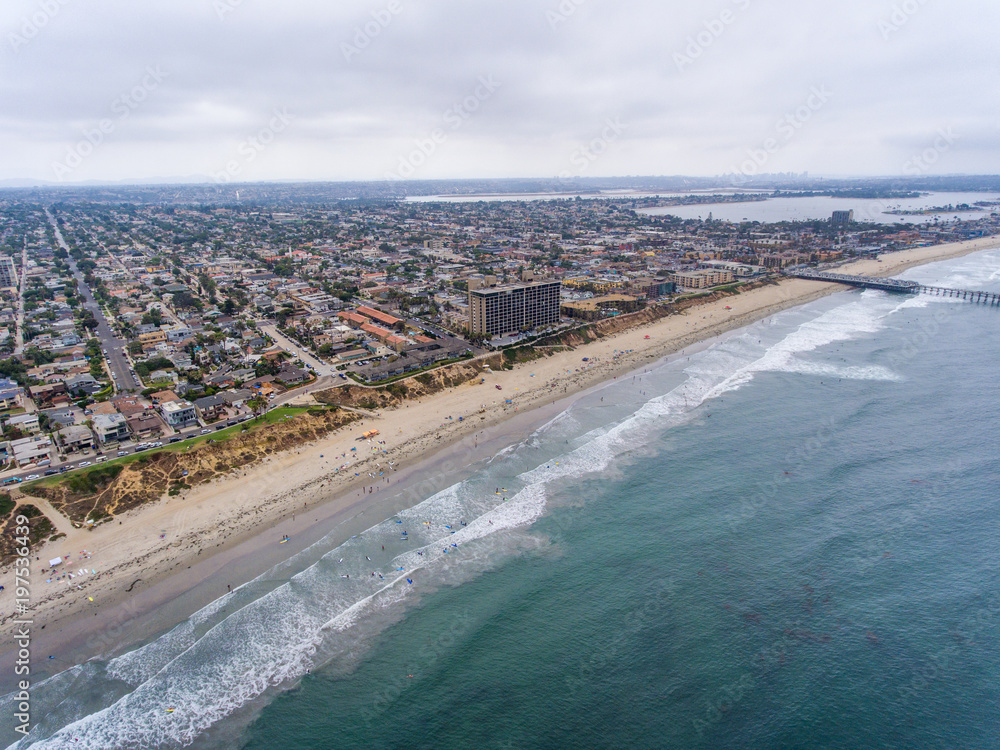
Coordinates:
(788, 539)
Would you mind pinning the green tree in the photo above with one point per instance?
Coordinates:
(257, 405)
(153, 317)
(88, 321)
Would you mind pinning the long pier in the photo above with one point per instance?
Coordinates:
(986, 298)
(898, 285)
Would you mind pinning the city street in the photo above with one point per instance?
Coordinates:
(117, 362)
(321, 368)
(19, 334)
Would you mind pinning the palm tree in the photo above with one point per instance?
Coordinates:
(257, 405)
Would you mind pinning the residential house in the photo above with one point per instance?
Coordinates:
(179, 414)
(26, 423)
(59, 418)
(146, 425)
(211, 408)
(74, 438)
(179, 333)
(110, 428)
(31, 450)
(292, 375)
(150, 340)
(46, 394)
(10, 394)
(83, 385)
(236, 398)
(129, 406)
(242, 375)
(158, 376)
(265, 386)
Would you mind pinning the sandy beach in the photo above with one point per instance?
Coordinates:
(155, 565)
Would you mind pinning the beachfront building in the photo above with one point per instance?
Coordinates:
(30, 450)
(650, 288)
(145, 425)
(211, 408)
(601, 307)
(74, 439)
(702, 279)
(504, 310)
(179, 414)
(740, 270)
(110, 428)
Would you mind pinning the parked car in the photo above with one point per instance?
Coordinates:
(176, 439)
(122, 453)
(205, 431)
(84, 463)
(31, 477)
(50, 472)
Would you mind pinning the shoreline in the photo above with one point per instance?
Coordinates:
(225, 533)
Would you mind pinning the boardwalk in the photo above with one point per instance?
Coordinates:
(898, 285)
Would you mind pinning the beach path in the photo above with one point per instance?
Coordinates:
(62, 524)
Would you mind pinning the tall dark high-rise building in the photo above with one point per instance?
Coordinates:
(504, 310)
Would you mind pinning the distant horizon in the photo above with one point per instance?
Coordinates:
(568, 184)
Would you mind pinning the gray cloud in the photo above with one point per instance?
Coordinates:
(696, 86)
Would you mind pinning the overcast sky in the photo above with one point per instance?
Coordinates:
(242, 90)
